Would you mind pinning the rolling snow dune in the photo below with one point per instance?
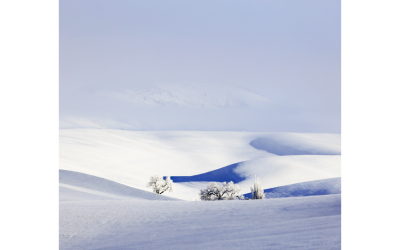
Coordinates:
(273, 171)
(312, 222)
(78, 186)
(105, 204)
(131, 157)
(295, 168)
(278, 171)
(299, 144)
(309, 188)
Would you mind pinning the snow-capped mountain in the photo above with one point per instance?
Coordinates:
(187, 95)
(192, 107)
(167, 107)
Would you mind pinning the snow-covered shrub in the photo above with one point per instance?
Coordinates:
(257, 192)
(228, 191)
(160, 185)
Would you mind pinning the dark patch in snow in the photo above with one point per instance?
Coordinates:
(224, 174)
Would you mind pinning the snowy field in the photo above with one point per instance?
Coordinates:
(284, 223)
(105, 204)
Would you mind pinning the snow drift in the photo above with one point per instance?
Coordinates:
(79, 186)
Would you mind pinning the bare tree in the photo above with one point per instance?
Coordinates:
(160, 185)
(227, 191)
(257, 192)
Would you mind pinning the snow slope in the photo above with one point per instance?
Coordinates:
(298, 144)
(273, 171)
(78, 186)
(131, 157)
(309, 188)
(311, 222)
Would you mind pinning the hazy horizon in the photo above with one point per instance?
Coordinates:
(229, 65)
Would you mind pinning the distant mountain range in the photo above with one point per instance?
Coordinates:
(188, 95)
(192, 107)
(166, 107)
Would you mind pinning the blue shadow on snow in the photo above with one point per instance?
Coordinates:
(224, 174)
(309, 188)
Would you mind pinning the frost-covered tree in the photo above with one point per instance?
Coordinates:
(232, 191)
(257, 192)
(226, 191)
(160, 185)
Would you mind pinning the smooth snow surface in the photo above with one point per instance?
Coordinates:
(309, 188)
(279, 171)
(312, 222)
(131, 157)
(78, 186)
(299, 144)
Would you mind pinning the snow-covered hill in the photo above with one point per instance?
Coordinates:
(105, 203)
(131, 157)
(309, 188)
(79, 186)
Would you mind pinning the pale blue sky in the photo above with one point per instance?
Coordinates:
(287, 51)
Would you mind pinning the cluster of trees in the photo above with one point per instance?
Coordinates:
(213, 191)
(226, 191)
